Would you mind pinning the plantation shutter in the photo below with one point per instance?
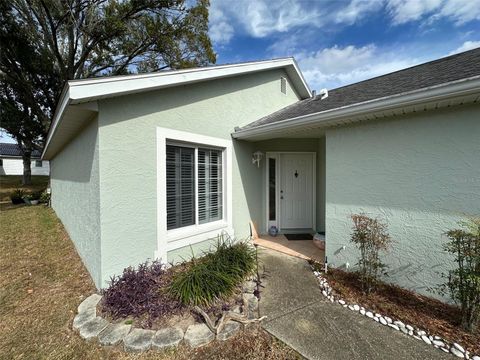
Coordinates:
(180, 186)
(210, 192)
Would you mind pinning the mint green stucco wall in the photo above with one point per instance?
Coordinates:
(74, 179)
(127, 132)
(420, 173)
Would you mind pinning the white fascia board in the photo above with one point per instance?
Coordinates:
(81, 91)
(440, 92)
(91, 89)
(62, 105)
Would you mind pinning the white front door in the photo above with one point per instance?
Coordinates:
(296, 191)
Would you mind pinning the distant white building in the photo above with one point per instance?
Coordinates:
(11, 162)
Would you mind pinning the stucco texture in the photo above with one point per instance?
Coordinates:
(127, 133)
(419, 173)
(76, 196)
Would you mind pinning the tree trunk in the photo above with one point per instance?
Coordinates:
(27, 170)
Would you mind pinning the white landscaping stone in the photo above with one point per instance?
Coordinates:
(399, 323)
(362, 311)
(341, 302)
(410, 332)
(356, 307)
(198, 335)
(383, 321)
(351, 307)
(138, 340)
(389, 320)
(404, 329)
(369, 314)
(445, 350)
(409, 327)
(113, 334)
(457, 352)
(92, 328)
(393, 326)
(89, 302)
(230, 329)
(426, 340)
(458, 347)
(324, 293)
(417, 337)
(249, 287)
(167, 338)
(438, 343)
(476, 357)
(84, 317)
(421, 333)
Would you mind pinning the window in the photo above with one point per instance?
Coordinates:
(180, 187)
(192, 189)
(38, 163)
(271, 190)
(1, 162)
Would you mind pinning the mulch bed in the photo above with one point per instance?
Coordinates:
(417, 310)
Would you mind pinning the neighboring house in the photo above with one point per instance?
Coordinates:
(11, 162)
(156, 165)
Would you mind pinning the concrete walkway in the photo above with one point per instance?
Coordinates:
(299, 316)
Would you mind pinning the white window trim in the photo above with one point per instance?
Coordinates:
(168, 240)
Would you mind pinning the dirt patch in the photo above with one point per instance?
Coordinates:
(411, 308)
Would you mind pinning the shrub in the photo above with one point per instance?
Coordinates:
(138, 292)
(463, 282)
(44, 197)
(371, 237)
(215, 275)
(17, 196)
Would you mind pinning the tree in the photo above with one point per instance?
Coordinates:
(44, 43)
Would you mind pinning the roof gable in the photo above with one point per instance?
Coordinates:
(77, 103)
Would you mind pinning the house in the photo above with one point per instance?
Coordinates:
(11, 162)
(157, 165)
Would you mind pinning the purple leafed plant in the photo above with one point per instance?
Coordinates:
(141, 293)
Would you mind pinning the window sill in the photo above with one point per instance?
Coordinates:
(196, 230)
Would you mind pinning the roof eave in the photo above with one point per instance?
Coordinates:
(332, 117)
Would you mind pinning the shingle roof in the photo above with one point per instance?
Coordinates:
(444, 70)
(7, 149)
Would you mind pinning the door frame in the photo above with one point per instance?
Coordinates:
(277, 155)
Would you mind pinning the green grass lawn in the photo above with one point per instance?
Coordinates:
(8, 183)
(43, 281)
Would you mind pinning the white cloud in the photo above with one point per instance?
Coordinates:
(356, 10)
(458, 11)
(220, 31)
(467, 45)
(338, 66)
(261, 18)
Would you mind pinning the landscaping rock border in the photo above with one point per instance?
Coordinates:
(409, 330)
(91, 326)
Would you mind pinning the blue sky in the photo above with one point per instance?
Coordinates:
(344, 41)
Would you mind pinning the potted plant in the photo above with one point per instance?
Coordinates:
(17, 196)
(34, 198)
